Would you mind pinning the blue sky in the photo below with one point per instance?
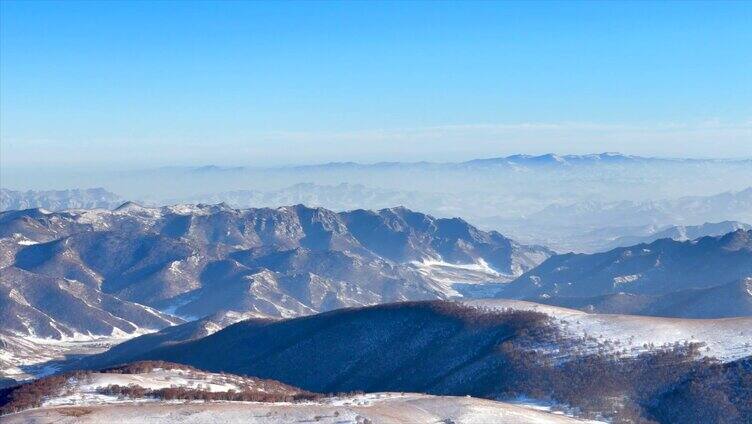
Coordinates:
(134, 84)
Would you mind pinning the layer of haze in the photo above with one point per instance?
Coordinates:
(125, 85)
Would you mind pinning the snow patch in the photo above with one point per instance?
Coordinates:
(726, 339)
(456, 280)
(625, 279)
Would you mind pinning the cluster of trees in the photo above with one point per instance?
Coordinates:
(478, 316)
(190, 394)
(31, 395)
(721, 393)
(667, 385)
(143, 367)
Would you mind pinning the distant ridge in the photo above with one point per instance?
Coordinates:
(547, 159)
(705, 277)
(58, 200)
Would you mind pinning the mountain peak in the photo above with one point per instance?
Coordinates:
(129, 206)
(737, 240)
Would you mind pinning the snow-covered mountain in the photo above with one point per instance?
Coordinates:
(580, 203)
(87, 278)
(682, 232)
(705, 277)
(44, 306)
(585, 226)
(515, 161)
(194, 260)
(723, 301)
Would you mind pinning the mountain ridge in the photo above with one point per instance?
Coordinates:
(657, 268)
(286, 261)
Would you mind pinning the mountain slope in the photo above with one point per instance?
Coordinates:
(657, 268)
(485, 348)
(723, 301)
(386, 338)
(146, 392)
(728, 300)
(48, 307)
(402, 235)
(623, 334)
(136, 347)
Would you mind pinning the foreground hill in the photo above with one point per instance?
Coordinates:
(147, 393)
(657, 269)
(386, 408)
(492, 349)
(144, 381)
(726, 339)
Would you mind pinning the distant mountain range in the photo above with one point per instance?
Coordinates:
(517, 160)
(197, 260)
(561, 220)
(58, 200)
(339, 197)
(685, 209)
(682, 233)
(592, 226)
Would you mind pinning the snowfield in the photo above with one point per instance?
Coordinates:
(23, 357)
(86, 392)
(81, 400)
(458, 280)
(372, 408)
(726, 339)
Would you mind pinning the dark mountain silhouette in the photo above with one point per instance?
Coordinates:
(451, 349)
